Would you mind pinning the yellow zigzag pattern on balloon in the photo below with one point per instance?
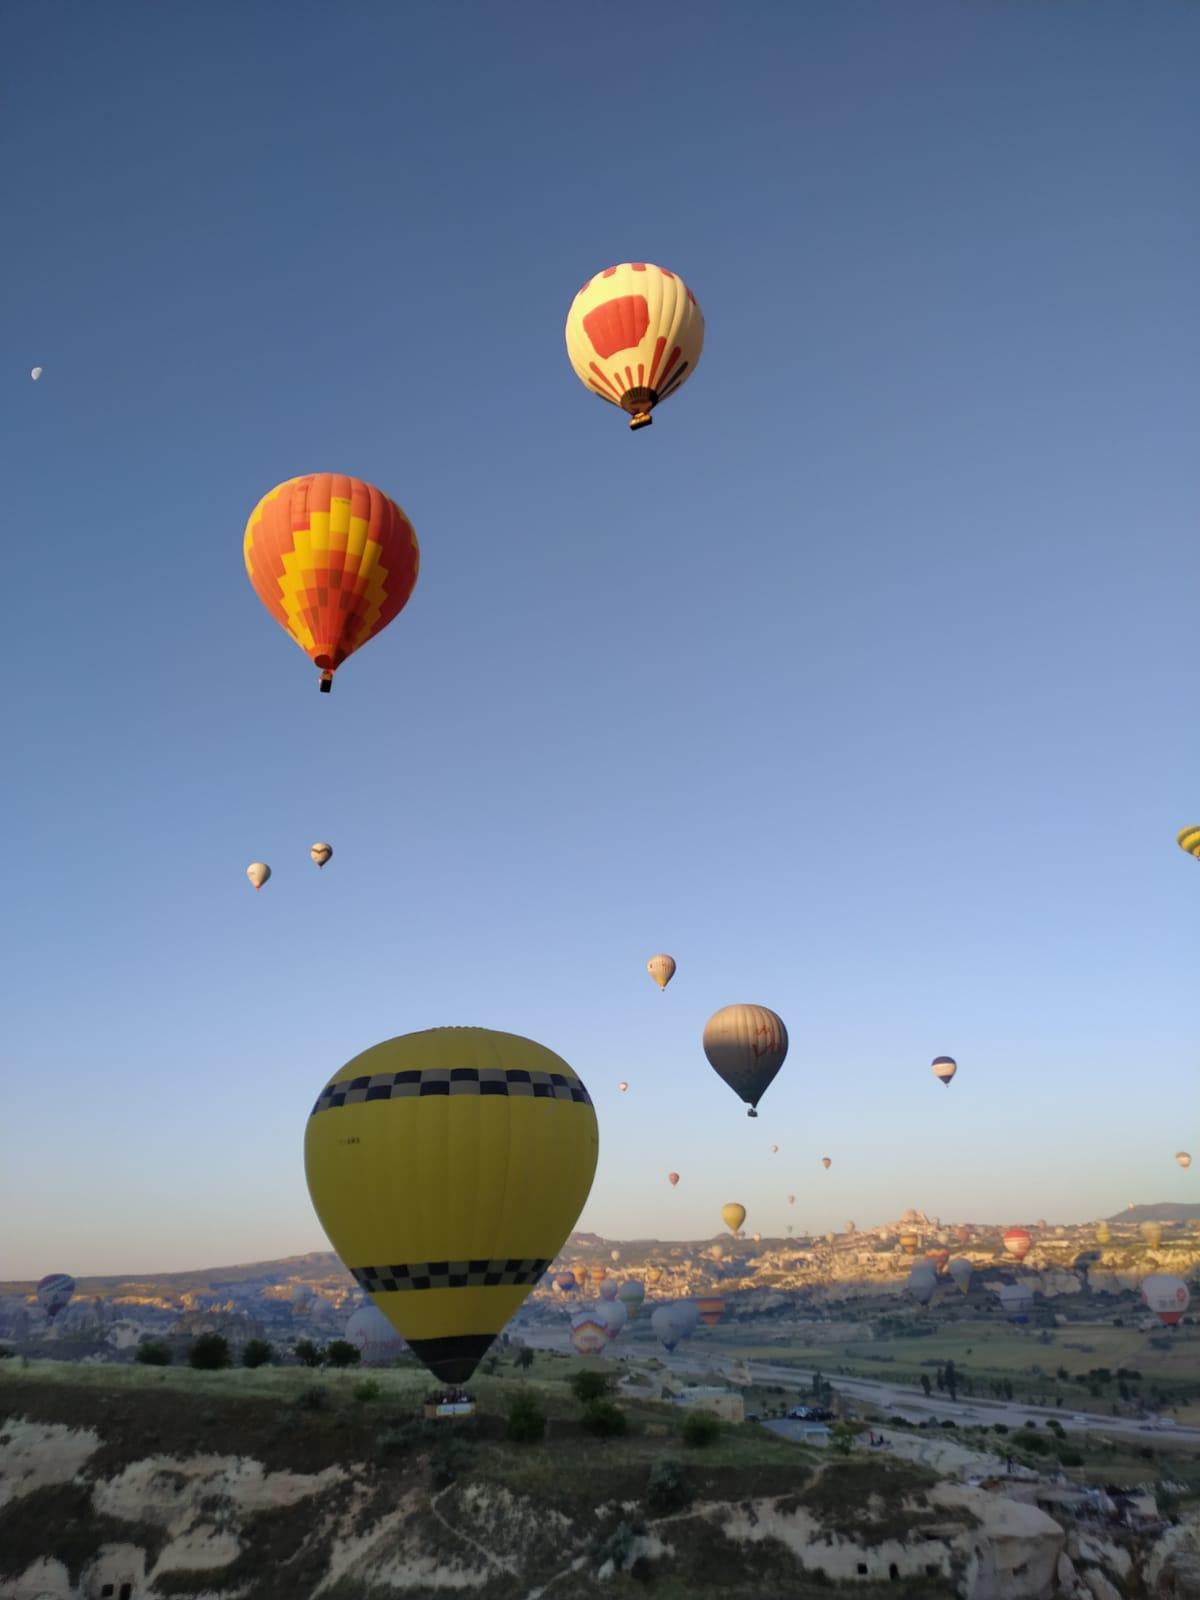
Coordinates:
(334, 529)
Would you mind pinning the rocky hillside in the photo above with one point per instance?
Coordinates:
(137, 1484)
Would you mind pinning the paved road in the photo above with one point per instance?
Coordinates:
(899, 1400)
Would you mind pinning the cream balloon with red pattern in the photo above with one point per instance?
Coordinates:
(634, 336)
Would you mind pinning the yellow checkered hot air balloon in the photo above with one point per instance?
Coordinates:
(634, 336)
(1189, 840)
(334, 560)
(448, 1168)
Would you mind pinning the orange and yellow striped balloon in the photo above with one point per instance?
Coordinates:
(334, 560)
(1189, 840)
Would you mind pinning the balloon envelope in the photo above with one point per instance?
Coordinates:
(746, 1045)
(733, 1215)
(668, 1330)
(1018, 1242)
(1167, 1296)
(944, 1068)
(447, 1168)
(661, 969)
(634, 335)
(589, 1331)
(672, 1178)
(334, 560)
(1016, 1300)
(321, 853)
(826, 1163)
(54, 1292)
(711, 1308)
(35, 373)
(922, 1283)
(631, 1295)
(1152, 1233)
(961, 1271)
(258, 872)
(373, 1335)
(608, 1289)
(1189, 840)
(1184, 1160)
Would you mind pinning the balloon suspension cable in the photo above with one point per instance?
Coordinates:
(326, 681)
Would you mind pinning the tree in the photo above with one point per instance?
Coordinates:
(342, 1353)
(589, 1385)
(700, 1428)
(925, 1383)
(309, 1354)
(603, 1419)
(524, 1358)
(843, 1434)
(951, 1380)
(210, 1352)
(526, 1419)
(153, 1353)
(258, 1353)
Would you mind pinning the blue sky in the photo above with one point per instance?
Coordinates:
(861, 682)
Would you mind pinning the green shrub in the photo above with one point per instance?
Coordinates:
(314, 1398)
(367, 1390)
(1000, 1427)
(210, 1352)
(1032, 1442)
(258, 1353)
(588, 1385)
(1070, 1458)
(700, 1428)
(153, 1353)
(450, 1458)
(667, 1487)
(603, 1420)
(341, 1353)
(526, 1420)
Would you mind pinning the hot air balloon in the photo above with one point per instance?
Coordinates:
(826, 1163)
(661, 969)
(757, 1237)
(447, 1169)
(1103, 1233)
(939, 1260)
(653, 1274)
(711, 1308)
(634, 336)
(623, 1086)
(672, 1178)
(1167, 1296)
(1183, 1159)
(687, 1314)
(791, 1199)
(614, 1316)
(608, 1289)
(598, 1274)
(1152, 1233)
(631, 1294)
(333, 560)
(667, 1328)
(589, 1331)
(851, 1227)
(615, 1254)
(565, 1283)
(717, 1252)
(54, 1292)
(1189, 840)
(922, 1283)
(1016, 1300)
(746, 1046)
(944, 1068)
(35, 373)
(909, 1243)
(774, 1149)
(733, 1215)
(258, 872)
(321, 853)
(1018, 1242)
(961, 1271)
(373, 1336)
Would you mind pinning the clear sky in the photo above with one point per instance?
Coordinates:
(861, 682)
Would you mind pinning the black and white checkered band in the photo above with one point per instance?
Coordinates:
(449, 1275)
(414, 1083)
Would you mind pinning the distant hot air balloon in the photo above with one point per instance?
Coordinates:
(634, 336)
(922, 1283)
(1016, 1300)
(54, 1292)
(565, 1283)
(826, 1163)
(373, 1336)
(672, 1178)
(1152, 1233)
(258, 872)
(733, 1215)
(850, 1227)
(687, 1314)
(614, 1315)
(589, 1331)
(1103, 1233)
(774, 1149)
(909, 1243)
(791, 1199)
(668, 1329)
(961, 1271)
(623, 1086)
(711, 1308)
(333, 560)
(448, 1168)
(35, 373)
(608, 1289)
(944, 1068)
(1189, 840)
(790, 1229)
(631, 1294)
(1018, 1242)
(661, 969)
(746, 1046)
(1167, 1296)
(598, 1274)
(653, 1274)
(615, 1255)
(321, 853)
(939, 1260)
(717, 1252)
(1184, 1160)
